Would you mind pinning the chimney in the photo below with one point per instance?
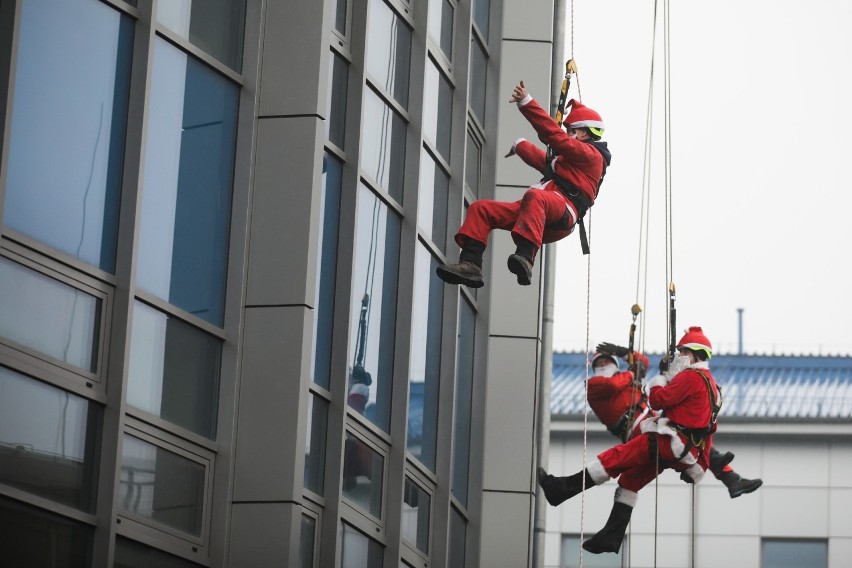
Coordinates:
(740, 331)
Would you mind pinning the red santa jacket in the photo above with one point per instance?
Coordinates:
(579, 163)
(611, 397)
(685, 400)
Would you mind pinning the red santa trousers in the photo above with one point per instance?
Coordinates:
(542, 205)
(636, 462)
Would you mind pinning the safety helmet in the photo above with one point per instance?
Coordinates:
(695, 340)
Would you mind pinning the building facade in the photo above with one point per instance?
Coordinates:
(222, 341)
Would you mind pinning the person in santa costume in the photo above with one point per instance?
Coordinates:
(550, 209)
(616, 398)
(679, 438)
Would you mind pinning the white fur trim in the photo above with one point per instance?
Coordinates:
(637, 423)
(586, 124)
(597, 472)
(662, 427)
(657, 381)
(359, 388)
(516, 142)
(524, 101)
(626, 496)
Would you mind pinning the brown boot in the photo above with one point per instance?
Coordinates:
(520, 267)
(463, 272)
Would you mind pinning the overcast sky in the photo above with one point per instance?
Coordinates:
(761, 117)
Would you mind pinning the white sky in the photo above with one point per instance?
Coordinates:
(761, 111)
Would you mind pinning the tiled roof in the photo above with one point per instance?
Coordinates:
(815, 388)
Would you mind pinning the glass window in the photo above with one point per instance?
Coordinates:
(49, 316)
(340, 9)
(473, 164)
(383, 145)
(214, 26)
(441, 15)
(359, 551)
(478, 76)
(161, 485)
(415, 515)
(363, 472)
(31, 537)
(132, 554)
(49, 441)
(186, 195)
(373, 315)
(458, 538)
(437, 110)
(307, 538)
(315, 444)
(570, 555)
(338, 78)
(174, 371)
(464, 400)
(327, 269)
(794, 553)
(388, 51)
(68, 123)
(424, 376)
(433, 197)
(481, 14)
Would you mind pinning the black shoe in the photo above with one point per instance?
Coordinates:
(742, 486)
(520, 267)
(463, 272)
(718, 461)
(559, 489)
(610, 537)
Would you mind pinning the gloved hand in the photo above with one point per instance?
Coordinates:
(612, 349)
(639, 369)
(692, 474)
(656, 381)
(664, 364)
(685, 478)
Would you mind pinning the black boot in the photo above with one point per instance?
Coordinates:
(520, 264)
(738, 485)
(610, 537)
(560, 489)
(718, 461)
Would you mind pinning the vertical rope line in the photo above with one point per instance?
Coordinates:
(586, 385)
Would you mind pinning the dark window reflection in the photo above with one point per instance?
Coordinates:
(433, 196)
(186, 197)
(478, 76)
(49, 441)
(441, 15)
(438, 110)
(315, 444)
(383, 145)
(359, 551)
(481, 13)
(132, 554)
(31, 537)
(307, 538)
(340, 9)
(363, 472)
(415, 515)
(464, 400)
(789, 553)
(337, 87)
(214, 26)
(458, 538)
(388, 50)
(68, 123)
(473, 164)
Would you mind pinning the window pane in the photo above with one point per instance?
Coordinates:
(49, 441)
(161, 485)
(186, 195)
(214, 26)
(49, 316)
(340, 16)
(359, 551)
(481, 13)
(415, 515)
(373, 316)
(132, 554)
(433, 196)
(327, 270)
(338, 77)
(437, 110)
(388, 51)
(363, 469)
(794, 553)
(464, 399)
(315, 444)
(458, 538)
(69, 117)
(174, 371)
(383, 145)
(306, 542)
(473, 164)
(571, 555)
(425, 359)
(31, 537)
(441, 14)
(478, 75)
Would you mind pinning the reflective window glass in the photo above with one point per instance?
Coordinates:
(363, 472)
(794, 553)
(464, 400)
(32, 537)
(570, 555)
(373, 315)
(186, 194)
(359, 551)
(174, 371)
(388, 50)
(437, 109)
(481, 13)
(315, 444)
(478, 75)
(49, 316)
(327, 269)
(440, 24)
(383, 144)
(458, 539)
(415, 515)
(49, 440)
(68, 123)
(214, 26)
(338, 77)
(340, 8)
(132, 554)
(307, 538)
(473, 164)
(162, 486)
(424, 376)
(432, 198)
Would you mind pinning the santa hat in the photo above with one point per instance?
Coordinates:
(582, 116)
(695, 339)
(612, 358)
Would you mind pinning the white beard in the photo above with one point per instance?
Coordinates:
(680, 363)
(607, 370)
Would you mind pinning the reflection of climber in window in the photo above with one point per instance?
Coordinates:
(356, 459)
